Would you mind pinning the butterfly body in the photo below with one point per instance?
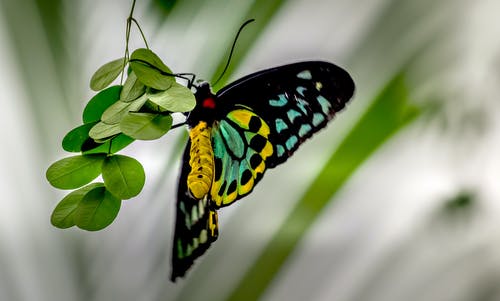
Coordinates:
(251, 125)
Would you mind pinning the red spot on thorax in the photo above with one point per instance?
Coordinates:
(209, 103)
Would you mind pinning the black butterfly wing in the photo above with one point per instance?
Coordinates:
(264, 117)
(195, 224)
(294, 100)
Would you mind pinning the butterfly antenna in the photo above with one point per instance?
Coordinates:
(232, 49)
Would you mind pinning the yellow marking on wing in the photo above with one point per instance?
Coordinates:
(241, 117)
(201, 161)
(216, 185)
(267, 150)
(213, 225)
(244, 189)
(230, 197)
(260, 168)
(264, 129)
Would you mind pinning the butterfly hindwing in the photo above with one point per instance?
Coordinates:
(195, 226)
(241, 147)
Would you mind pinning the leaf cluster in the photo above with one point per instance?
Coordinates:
(140, 109)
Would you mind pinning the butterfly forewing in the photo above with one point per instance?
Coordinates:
(295, 101)
(264, 117)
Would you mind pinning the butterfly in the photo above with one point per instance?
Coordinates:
(247, 127)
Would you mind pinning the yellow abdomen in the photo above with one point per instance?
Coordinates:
(201, 161)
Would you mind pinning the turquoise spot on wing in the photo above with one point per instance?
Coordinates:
(233, 139)
(218, 144)
(318, 118)
(280, 125)
(249, 136)
(282, 101)
(300, 90)
(302, 105)
(304, 129)
(325, 104)
(280, 149)
(291, 142)
(243, 166)
(292, 114)
(306, 74)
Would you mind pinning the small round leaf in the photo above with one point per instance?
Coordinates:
(106, 74)
(74, 172)
(63, 215)
(77, 137)
(151, 76)
(99, 103)
(115, 113)
(145, 126)
(132, 89)
(97, 209)
(149, 57)
(103, 131)
(176, 99)
(117, 143)
(123, 176)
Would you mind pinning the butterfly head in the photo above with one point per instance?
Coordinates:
(206, 105)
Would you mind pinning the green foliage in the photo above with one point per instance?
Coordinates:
(64, 214)
(123, 176)
(97, 209)
(76, 171)
(150, 70)
(112, 146)
(169, 99)
(145, 126)
(100, 102)
(106, 74)
(116, 116)
(102, 131)
(115, 113)
(132, 89)
(77, 137)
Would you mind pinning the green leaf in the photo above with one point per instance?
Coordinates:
(151, 76)
(123, 176)
(132, 89)
(63, 215)
(74, 172)
(99, 103)
(176, 99)
(115, 113)
(97, 209)
(149, 57)
(102, 131)
(145, 126)
(117, 143)
(77, 137)
(106, 74)
(150, 69)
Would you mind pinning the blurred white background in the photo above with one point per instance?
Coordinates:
(419, 220)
